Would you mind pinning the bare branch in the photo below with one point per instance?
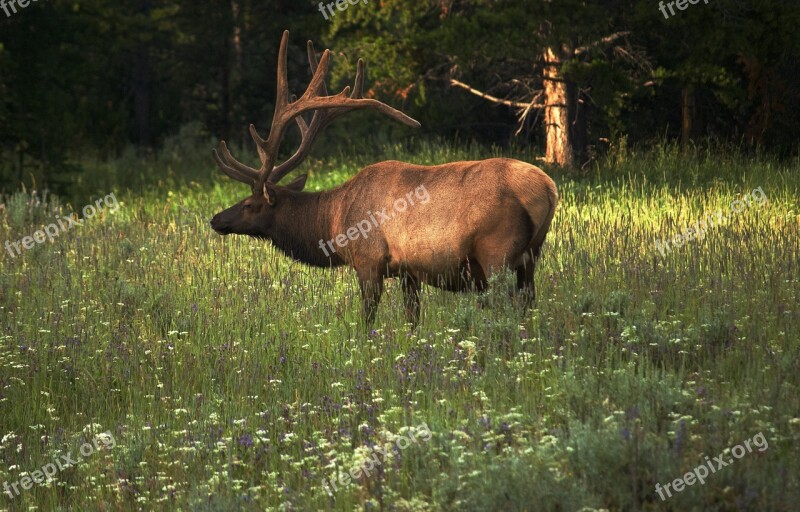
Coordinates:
(604, 41)
(493, 99)
(523, 116)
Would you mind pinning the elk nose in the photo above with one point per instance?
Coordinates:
(218, 225)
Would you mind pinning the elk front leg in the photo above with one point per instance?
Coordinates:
(371, 291)
(411, 298)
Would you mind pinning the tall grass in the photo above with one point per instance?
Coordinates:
(235, 379)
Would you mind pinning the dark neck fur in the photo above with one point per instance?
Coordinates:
(305, 219)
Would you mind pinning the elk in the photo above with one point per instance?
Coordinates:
(480, 216)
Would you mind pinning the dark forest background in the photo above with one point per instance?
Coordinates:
(83, 82)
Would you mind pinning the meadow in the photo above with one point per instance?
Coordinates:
(232, 378)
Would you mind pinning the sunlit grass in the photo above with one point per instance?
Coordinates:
(232, 378)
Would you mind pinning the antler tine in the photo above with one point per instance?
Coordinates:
(312, 61)
(358, 86)
(260, 146)
(268, 149)
(232, 167)
(318, 80)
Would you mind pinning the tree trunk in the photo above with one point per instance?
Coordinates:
(557, 117)
(141, 86)
(688, 115)
(236, 72)
(225, 89)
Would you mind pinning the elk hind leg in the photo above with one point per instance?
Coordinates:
(525, 282)
(371, 290)
(492, 263)
(411, 298)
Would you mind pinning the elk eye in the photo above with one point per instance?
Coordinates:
(247, 206)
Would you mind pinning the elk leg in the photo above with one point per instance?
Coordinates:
(525, 284)
(491, 264)
(371, 291)
(411, 298)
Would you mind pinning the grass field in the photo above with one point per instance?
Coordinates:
(231, 378)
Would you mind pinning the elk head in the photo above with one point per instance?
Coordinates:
(261, 214)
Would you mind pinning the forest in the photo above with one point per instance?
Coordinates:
(86, 81)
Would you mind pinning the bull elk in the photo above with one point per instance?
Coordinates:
(479, 217)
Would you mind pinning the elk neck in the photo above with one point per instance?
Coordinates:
(300, 223)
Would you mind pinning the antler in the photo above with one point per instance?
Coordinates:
(326, 109)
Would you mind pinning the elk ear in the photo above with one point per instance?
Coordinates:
(269, 194)
(299, 184)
